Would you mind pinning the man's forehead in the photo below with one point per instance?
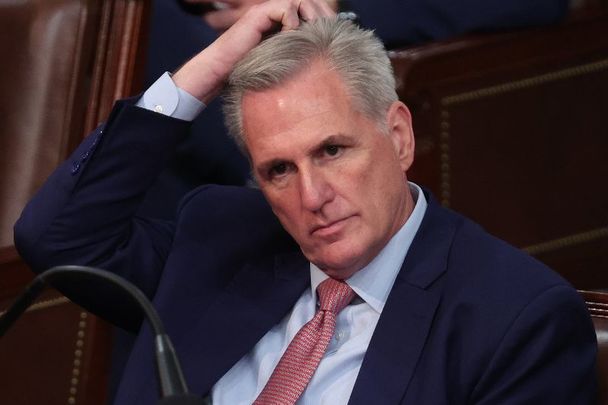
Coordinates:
(317, 70)
(310, 94)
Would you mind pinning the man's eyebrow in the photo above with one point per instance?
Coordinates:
(335, 139)
(264, 167)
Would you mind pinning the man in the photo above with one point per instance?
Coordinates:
(440, 312)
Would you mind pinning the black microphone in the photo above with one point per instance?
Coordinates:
(174, 390)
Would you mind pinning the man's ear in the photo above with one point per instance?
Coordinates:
(400, 131)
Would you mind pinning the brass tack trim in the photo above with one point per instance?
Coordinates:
(525, 83)
(597, 309)
(444, 141)
(77, 362)
(44, 304)
(567, 241)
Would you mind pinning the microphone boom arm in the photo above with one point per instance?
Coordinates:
(172, 382)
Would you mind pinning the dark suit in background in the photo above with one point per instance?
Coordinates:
(409, 22)
(468, 320)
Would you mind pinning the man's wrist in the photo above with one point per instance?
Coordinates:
(334, 4)
(165, 97)
(200, 77)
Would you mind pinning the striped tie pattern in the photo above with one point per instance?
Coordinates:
(299, 362)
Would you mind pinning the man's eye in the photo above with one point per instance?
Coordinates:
(332, 150)
(278, 170)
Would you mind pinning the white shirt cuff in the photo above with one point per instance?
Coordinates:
(164, 97)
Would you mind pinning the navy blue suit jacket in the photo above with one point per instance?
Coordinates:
(469, 320)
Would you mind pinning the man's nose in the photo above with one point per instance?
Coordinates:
(315, 189)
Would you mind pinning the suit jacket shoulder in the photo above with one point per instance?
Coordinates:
(471, 319)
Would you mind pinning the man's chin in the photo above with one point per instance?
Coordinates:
(337, 266)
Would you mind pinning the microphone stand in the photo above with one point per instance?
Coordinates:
(174, 390)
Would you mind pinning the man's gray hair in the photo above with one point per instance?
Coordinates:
(357, 55)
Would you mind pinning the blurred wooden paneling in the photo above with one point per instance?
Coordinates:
(512, 131)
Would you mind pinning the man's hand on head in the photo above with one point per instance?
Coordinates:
(221, 15)
(204, 75)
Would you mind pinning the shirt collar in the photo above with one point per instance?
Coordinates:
(374, 282)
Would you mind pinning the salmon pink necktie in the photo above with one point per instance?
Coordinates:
(299, 362)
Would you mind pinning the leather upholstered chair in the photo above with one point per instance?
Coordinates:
(64, 62)
(597, 303)
(511, 130)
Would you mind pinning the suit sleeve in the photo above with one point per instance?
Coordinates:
(85, 213)
(546, 357)
(405, 22)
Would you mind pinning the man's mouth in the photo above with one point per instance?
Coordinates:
(330, 228)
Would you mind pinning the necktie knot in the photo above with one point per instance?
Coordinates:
(334, 295)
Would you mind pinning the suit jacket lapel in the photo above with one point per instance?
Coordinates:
(405, 322)
(252, 304)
